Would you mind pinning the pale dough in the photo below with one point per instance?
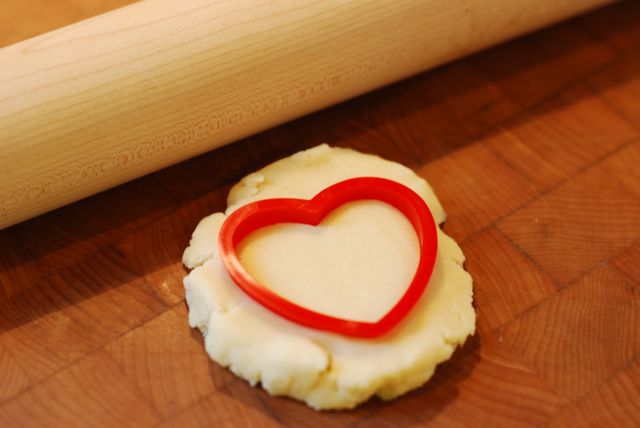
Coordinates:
(356, 264)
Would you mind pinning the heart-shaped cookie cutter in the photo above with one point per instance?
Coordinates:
(256, 215)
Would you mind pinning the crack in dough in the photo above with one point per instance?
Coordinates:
(325, 370)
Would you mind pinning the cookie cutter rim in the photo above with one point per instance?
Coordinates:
(263, 213)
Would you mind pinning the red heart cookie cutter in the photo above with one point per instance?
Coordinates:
(259, 214)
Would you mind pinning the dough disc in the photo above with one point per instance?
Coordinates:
(325, 370)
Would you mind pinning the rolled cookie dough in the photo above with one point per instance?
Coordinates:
(355, 264)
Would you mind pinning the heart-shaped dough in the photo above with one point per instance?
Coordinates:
(328, 267)
(256, 215)
(326, 370)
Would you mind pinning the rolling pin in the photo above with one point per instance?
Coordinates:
(103, 101)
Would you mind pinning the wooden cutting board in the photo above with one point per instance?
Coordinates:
(534, 150)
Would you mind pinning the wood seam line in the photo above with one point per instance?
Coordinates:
(522, 112)
(633, 281)
(595, 36)
(133, 270)
(627, 365)
(559, 290)
(516, 115)
(570, 284)
(598, 36)
(185, 409)
(210, 394)
(541, 195)
(17, 362)
(580, 170)
(266, 406)
(615, 109)
(105, 246)
(547, 98)
(546, 299)
(101, 348)
(136, 389)
(505, 126)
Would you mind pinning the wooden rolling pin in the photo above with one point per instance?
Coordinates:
(106, 100)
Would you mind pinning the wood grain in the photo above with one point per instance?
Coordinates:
(109, 99)
(512, 283)
(600, 314)
(533, 148)
(581, 223)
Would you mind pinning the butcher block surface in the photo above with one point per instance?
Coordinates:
(533, 147)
